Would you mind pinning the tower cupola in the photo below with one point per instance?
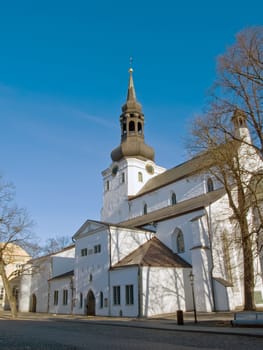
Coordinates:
(132, 129)
(241, 131)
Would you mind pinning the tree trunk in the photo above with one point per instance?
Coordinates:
(248, 264)
(8, 290)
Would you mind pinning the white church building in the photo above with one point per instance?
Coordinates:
(157, 227)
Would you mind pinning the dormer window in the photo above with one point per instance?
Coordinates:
(210, 185)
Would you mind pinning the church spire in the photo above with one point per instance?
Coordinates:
(131, 96)
(132, 128)
(131, 103)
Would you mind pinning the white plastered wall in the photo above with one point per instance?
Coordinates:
(163, 290)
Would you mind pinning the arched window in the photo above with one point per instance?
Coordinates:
(178, 241)
(140, 177)
(124, 129)
(210, 185)
(139, 128)
(173, 198)
(145, 209)
(131, 126)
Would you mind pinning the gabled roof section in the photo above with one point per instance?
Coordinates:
(63, 275)
(90, 226)
(45, 257)
(153, 253)
(178, 209)
(179, 172)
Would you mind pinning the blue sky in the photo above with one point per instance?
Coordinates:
(63, 78)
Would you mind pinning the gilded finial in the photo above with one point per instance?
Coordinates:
(131, 60)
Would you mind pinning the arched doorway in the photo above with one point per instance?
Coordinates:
(33, 303)
(91, 303)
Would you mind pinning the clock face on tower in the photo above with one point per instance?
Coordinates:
(149, 168)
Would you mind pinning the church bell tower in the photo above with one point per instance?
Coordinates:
(132, 162)
(132, 129)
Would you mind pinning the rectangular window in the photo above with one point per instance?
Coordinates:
(116, 295)
(101, 300)
(1, 293)
(56, 297)
(123, 178)
(107, 187)
(97, 249)
(84, 252)
(80, 300)
(129, 294)
(65, 297)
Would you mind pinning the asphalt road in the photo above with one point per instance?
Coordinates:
(61, 335)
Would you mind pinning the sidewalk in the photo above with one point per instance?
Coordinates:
(216, 322)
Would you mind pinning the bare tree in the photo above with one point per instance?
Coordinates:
(55, 244)
(14, 233)
(229, 153)
(240, 83)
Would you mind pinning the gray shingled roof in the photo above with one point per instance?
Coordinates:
(153, 253)
(181, 171)
(63, 275)
(180, 208)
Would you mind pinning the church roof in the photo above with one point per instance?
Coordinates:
(63, 275)
(184, 207)
(153, 253)
(91, 226)
(188, 168)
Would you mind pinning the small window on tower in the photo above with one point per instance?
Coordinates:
(107, 185)
(140, 128)
(140, 177)
(131, 126)
(124, 129)
(123, 177)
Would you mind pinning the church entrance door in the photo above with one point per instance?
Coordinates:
(91, 304)
(33, 303)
